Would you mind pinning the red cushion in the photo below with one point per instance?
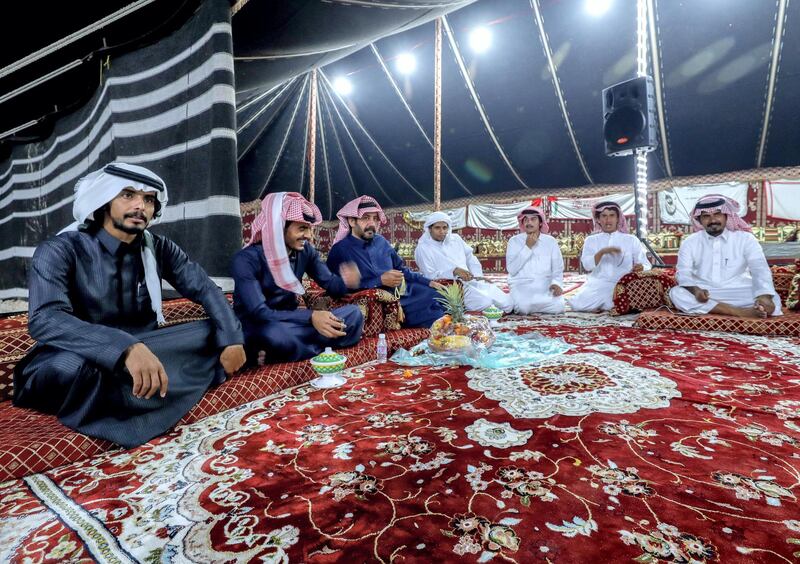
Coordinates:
(640, 291)
(32, 442)
(381, 310)
(782, 276)
(793, 299)
(785, 325)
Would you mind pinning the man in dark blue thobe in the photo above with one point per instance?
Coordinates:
(267, 275)
(379, 264)
(101, 363)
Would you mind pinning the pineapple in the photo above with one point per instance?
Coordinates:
(451, 298)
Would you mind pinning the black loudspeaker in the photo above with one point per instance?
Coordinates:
(629, 117)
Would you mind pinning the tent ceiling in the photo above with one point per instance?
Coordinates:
(715, 63)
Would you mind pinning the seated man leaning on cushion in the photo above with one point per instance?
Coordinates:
(267, 276)
(441, 254)
(608, 254)
(379, 264)
(721, 267)
(101, 364)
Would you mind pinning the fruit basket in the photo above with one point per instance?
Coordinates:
(455, 332)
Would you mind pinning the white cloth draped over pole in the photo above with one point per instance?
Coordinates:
(495, 216)
(677, 203)
(783, 199)
(581, 208)
(458, 216)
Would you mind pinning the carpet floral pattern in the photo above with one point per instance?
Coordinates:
(702, 464)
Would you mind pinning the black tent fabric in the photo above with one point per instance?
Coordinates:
(526, 114)
(169, 107)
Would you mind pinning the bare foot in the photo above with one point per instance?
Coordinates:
(751, 312)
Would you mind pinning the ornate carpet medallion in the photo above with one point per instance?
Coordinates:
(575, 384)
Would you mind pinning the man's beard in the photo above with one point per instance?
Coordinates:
(368, 233)
(714, 228)
(130, 230)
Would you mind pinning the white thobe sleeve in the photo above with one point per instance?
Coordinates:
(556, 266)
(590, 248)
(686, 264)
(473, 264)
(759, 269)
(431, 264)
(517, 255)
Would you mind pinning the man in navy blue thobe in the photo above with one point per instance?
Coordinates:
(101, 364)
(379, 264)
(267, 276)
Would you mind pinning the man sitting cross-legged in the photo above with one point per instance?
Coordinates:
(441, 254)
(721, 267)
(267, 276)
(608, 254)
(381, 267)
(535, 266)
(101, 364)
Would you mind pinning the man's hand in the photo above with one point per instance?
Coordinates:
(436, 285)
(556, 290)
(465, 275)
(350, 274)
(392, 278)
(146, 371)
(700, 294)
(606, 251)
(637, 268)
(765, 304)
(232, 358)
(531, 239)
(327, 324)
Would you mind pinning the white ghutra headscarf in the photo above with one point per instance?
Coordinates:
(98, 188)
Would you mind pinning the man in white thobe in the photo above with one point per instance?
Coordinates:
(721, 267)
(441, 254)
(609, 254)
(535, 266)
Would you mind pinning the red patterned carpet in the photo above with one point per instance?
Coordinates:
(635, 445)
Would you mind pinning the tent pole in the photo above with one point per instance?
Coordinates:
(312, 136)
(640, 155)
(437, 119)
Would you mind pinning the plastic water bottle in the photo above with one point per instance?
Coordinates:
(383, 349)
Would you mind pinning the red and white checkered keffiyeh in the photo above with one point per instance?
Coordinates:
(533, 210)
(714, 203)
(598, 208)
(267, 228)
(356, 208)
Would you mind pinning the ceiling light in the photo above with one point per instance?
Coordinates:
(597, 7)
(343, 86)
(480, 39)
(406, 63)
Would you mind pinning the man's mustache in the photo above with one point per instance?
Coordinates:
(137, 215)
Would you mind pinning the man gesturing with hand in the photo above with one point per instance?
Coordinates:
(267, 276)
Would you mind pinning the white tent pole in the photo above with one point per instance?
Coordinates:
(312, 136)
(437, 119)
